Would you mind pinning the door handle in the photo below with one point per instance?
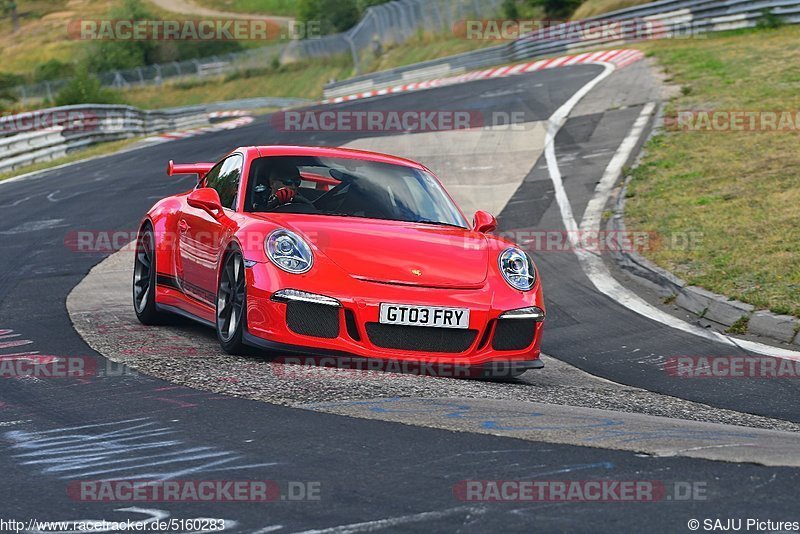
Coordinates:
(183, 226)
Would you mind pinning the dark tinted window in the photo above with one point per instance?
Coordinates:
(212, 175)
(225, 179)
(356, 188)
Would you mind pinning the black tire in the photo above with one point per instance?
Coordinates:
(231, 309)
(144, 279)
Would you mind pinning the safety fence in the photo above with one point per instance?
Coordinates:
(666, 19)
(381, 26)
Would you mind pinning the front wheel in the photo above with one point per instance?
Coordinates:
(144, 279)
(231, 307)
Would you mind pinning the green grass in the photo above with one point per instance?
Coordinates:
(96, 150)
(423, 48)
(302, 80)
(740, 190)
(740, 326)
(590, 8)
(261, 7)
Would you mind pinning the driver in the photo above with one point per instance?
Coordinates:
(284, 179)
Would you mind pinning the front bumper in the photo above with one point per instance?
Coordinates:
(353, 329)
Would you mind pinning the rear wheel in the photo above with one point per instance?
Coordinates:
(231, 306)
(144, 279)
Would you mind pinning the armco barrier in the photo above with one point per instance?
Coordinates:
(43, 135)
(677, 19)
(382, 26)
(50, 133)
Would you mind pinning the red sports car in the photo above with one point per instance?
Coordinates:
(338, 252)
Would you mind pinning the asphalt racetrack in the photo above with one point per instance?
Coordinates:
(387, 452)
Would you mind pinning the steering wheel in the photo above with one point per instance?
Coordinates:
(331, 193)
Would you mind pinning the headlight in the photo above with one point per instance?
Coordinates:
(517, 269)
(288, 251)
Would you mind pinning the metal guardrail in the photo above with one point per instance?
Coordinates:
(382, 26)
(663, 19)
(47, 134)
(256, 103)
(668, 19)
(420, 71)
(158, 73)
(392, 23)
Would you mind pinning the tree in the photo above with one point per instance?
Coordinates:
(52, 69)
(7, 83)
(334, 15)
(559, 9)
(10, 8)
(510, 10)
(84, 88)
(119, 54)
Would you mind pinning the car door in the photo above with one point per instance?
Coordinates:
(201, 235)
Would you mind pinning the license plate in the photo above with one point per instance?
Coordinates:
(424, 316)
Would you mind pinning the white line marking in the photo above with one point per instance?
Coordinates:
(17, 202)
(369, 526)
(593, 265)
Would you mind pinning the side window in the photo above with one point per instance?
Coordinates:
(225, 179)
(211, 178)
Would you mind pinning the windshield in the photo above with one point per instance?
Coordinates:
(348, 187)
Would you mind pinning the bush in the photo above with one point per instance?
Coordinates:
(85, 88)
(9, 80)
(769, 20)
(510, 9)
(559, 9)
(334, 15)
(115, 55)
(103, 56)
(53, 69)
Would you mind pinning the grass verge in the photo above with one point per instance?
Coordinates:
(739, 190)
(301, 80)
(590, 8)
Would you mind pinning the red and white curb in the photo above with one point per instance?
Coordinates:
(227, 125)
(226, 114)
(619, 58)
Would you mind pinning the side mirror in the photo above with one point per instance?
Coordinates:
(484, 222)
(206, 199)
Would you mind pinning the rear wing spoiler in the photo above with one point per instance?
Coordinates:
(323, 182)
(200, 169)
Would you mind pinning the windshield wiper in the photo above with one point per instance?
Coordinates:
(438, 223)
